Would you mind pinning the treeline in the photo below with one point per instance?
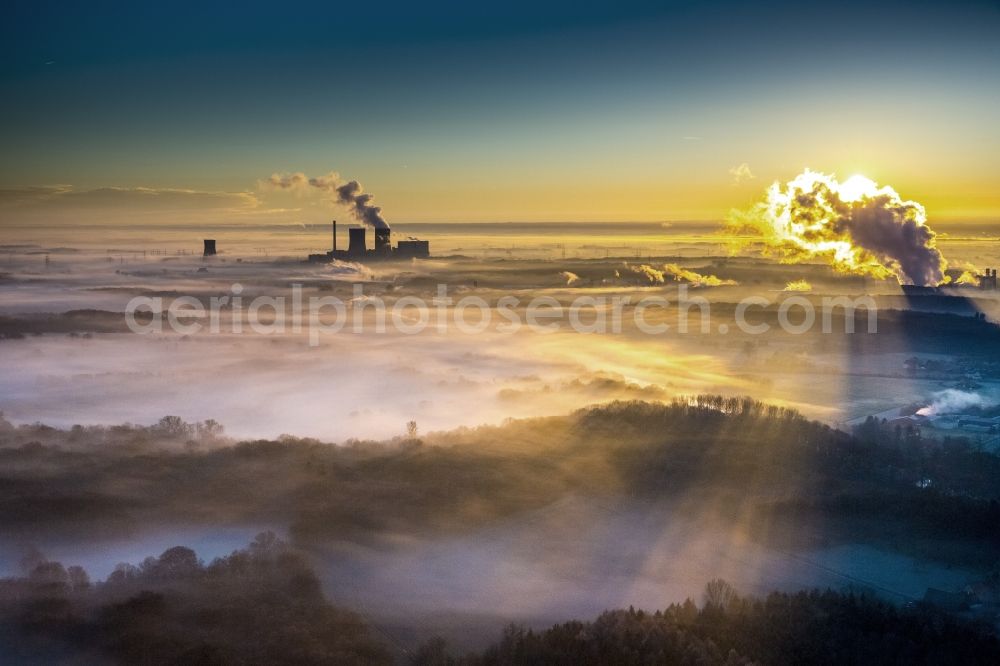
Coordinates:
(264, 605)
(260, 605)
(728, 456)
(169, 431)
(810, 627)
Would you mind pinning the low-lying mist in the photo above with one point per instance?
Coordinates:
(535, 520)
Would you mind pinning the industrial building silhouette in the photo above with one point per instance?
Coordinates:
(357, 246)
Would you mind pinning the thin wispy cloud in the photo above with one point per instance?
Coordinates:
(113, 197)
(741, 173)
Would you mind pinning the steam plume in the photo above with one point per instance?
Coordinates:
(684, 275)
(349, 194)
(950, 401)
(570, 278)
(856, 225)
(798, 285)
(653, 275)
(657, 276)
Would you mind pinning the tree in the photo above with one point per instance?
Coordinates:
(209, 429)
(720, 594)
(266, 545)
(175, 562)
(78, 578)
(50, 578)
(432, 653)
(173, 426)
(123, 573)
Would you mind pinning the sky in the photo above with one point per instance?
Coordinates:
(513, 111)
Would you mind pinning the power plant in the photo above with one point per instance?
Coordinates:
(988, 280)
(357, 246)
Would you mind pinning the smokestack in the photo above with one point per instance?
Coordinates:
(335, 236)
(988, 280)
(382, 243)
(356, 246)
(209, 248)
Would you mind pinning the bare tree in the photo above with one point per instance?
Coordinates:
(720, 594)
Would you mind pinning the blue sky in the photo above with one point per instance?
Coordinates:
(635, 110)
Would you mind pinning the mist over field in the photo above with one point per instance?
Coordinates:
(539, 333)
(443, 483)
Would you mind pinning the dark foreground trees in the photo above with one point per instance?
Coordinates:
(804, 628)
(261, 605)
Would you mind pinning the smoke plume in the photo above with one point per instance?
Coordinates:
(659, 276)
(653, 275)
(697, 279)
(798, 285)
(349, 194)
(571, 278)
(951, 401)
(855, 225)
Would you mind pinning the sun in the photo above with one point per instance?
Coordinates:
(856, 188)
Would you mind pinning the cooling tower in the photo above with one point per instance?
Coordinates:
(382, 244)
(209, 248)
(356, 242)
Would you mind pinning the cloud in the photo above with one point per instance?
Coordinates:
(68, 197)
(855, 225)
(15, 196)
(740, 173)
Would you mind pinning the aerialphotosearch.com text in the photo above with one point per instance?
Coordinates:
(651, 314)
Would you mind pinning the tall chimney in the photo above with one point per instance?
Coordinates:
(335, 236)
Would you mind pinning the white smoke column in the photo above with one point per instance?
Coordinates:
(697, 279)
(951, 401)
(653, 275)
(349, 270)
(349, 194)
(798, 285)
(571, 278)
(856, 225)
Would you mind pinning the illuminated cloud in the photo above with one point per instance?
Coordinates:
(967, 277)
(855, 225)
